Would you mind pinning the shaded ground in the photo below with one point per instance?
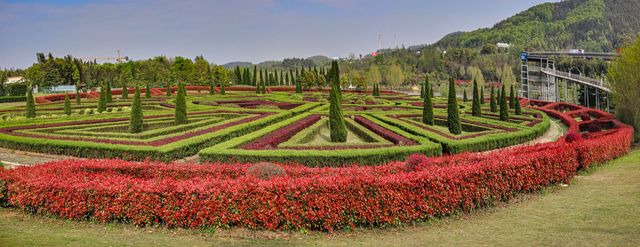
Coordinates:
(597, 209)
(13, 158)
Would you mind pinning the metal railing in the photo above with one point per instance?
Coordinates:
(577, 78)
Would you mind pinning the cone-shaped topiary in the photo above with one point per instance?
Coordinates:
(168, 90)
(422, 91)
(147, 91)
(518, 106)
(476, 111)
(31, 104)
(464, 95)
(135, 121)
(492, 102)
(77, 95)
(109, 96)
(181, 105)
(67, 104)
(504, 107)
(453, 116)
(212, 88)
(482, 95)
(102, 100)
(125, 91)
(427, 108)
(298, 86)
(512, 98)
(221, 88)
(336, 118)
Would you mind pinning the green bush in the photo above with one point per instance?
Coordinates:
(181, 105)
(102, 100)
(475, 109)
(31, 105)
(336, 118)
(504, 108)
(7, 99)
(136, 119)
(492, 102)
(168, 89)
(67, 105)
(147, 91)
(125, 91)
(453, 115)
(427, 108)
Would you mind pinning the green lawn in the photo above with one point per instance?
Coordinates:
(598, 209)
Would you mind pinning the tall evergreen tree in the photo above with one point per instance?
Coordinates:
(67, 104)
(504, 106)
(422, 92)
(109, 96)
(254, 79)
(181, 106)
(518, 106)
(512, 98)
(482, 95)
(464, 95)
(453, 116)
(136, 119)
(147, 91)
(493, 104)
(125, 91)
(31, 104)
(238, 75)
(78, 95)
(102, 101)
(336, 118)
(475, 109)
(212, 88)
(168, 89)
(222, 88)
(427, 108)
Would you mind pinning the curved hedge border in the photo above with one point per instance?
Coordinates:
(224, 195)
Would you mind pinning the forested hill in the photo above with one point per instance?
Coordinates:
(592, 25)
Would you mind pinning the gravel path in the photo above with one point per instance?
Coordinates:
(14, 158)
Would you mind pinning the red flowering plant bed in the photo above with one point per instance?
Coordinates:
(227, 195)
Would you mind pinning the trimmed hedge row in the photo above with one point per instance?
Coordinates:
(476, 144)
(175, 150)
(227, 195)
(231, 150)
(7, 99)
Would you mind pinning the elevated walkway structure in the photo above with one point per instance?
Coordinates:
(541, 80)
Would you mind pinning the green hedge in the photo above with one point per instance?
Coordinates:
(230, 152)
(172, 151)
(477, 144)
(6, 99)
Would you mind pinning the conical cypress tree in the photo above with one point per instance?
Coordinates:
(31, 104)
(492, 102)
(498, 96)
(147, 91)
(298, 87)
(453, 116)
(222, 92)
(136, 119)
(181, 106)
(67, 104)
(254, 79)
(212, 88)
(431, 92)
(168, 89)
(125, 91)
(504, 106)
(78, 96)
(109, 96)
(475, 109)
(102, 101)
(518, 106)
(512, 98)
(482, 95)
(336, 118)
(422, 91)
(464, 95)
(427, 108)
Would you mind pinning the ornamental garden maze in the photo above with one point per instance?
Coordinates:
(283, 158)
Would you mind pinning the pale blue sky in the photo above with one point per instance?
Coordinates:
(238, 30)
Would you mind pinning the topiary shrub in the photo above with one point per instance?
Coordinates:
(181, 106)
(413, 161)
(31, 104)
(572, 137)
(427, 106)
(136, 119)
(453, 116)
(67, 105)
(265, 170)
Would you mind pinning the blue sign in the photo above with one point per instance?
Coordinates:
(524, 56)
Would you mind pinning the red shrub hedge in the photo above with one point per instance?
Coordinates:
(179, 195)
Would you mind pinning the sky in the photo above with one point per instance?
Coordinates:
(234, 30)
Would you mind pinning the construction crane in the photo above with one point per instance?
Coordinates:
(118, 58)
